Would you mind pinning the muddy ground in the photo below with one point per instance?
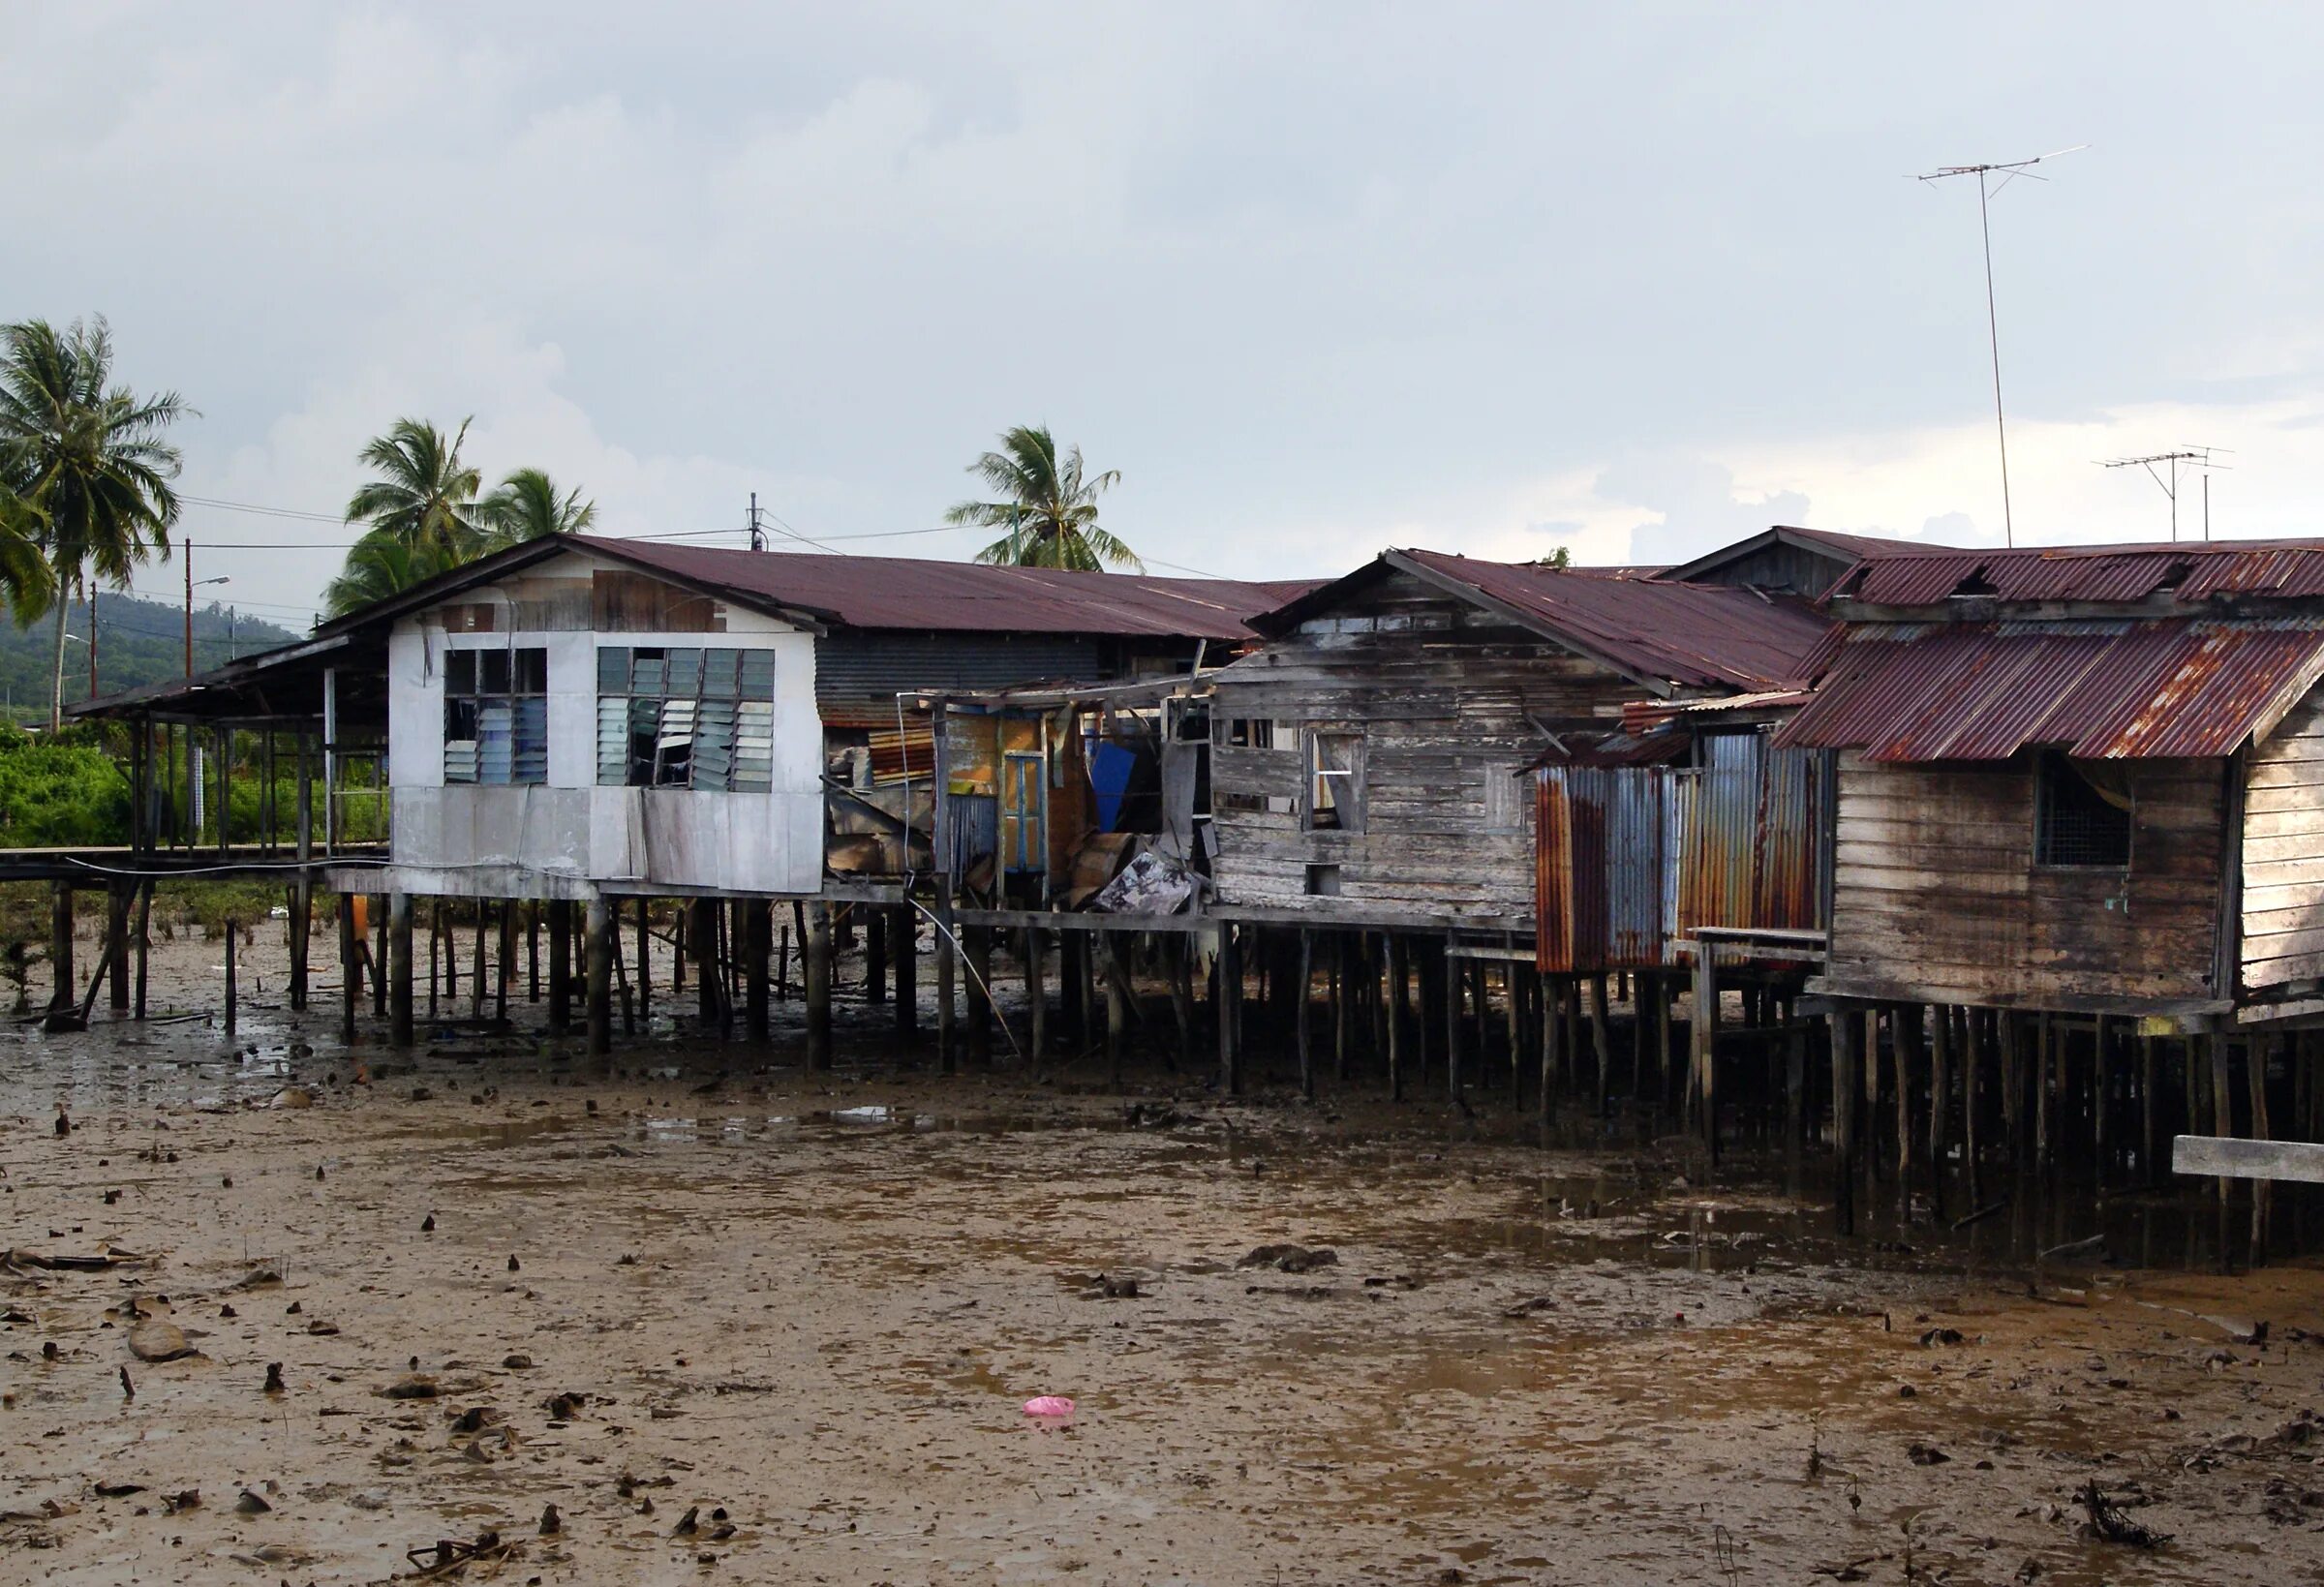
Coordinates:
(738, 1321)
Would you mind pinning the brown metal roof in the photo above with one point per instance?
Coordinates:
(2117, 575)
(909, 593)
(1695, 634)
(2104, 690)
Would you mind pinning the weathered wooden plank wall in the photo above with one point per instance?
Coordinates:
(2284, 853)
(1441, 694)
(1937, 898)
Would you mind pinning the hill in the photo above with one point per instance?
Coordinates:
(137, 642)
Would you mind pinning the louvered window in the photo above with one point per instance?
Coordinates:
(496, 715)
(685, 716)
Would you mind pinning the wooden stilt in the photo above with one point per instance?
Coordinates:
(2150, 1139)
(1848, 1042)
(599, 949)
(1552, 1047)
(1394, 1001)
(818, 984)
(233, 936)
(504, 956)
(1940, 1100)
(1453, 1031)
(63, 996)
(702, 947)
(758, 921)
(378, 960)
(1341, 998)
(1036, 997)
(444, 938)
(903, 952)
(351, 968)
(947, 974)
(561, 965)
(532, 950)
(475, 963)
(145, 938)
(399, 970)
(1179, 946)
(2222, 1096)
(876, 956)
(1302, 998)
(1601, 1039)
(1227, 1001)
(978, 941)
(1113, 971)
(117, 947)
(1706, 1045)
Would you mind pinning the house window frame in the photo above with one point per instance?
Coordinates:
(2049, 766)
(1347, 806)
(647, 741)
(522, 691)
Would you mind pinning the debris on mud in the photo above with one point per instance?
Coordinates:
(1291, 1258)
(2108, 1521)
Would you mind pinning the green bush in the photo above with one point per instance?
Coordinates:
(61, 790)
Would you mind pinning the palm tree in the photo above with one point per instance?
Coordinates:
(425, 495)
(1049, 513)
(87, 467)
(380, 564)
(526, 506)
(25, 582)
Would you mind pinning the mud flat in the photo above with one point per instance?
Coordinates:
(738, 1322)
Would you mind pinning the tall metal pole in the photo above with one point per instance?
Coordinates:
(189, 608)
(92, 641)
(1993, 333)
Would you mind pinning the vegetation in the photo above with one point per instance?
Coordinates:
(84, 466)
(60, 788)
(1047, 511)
(426, 517)
(138, 642)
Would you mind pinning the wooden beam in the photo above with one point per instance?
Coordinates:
(2225, 1157)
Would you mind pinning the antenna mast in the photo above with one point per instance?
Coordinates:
(2011, 170)
(758, 533)
(2173, 465)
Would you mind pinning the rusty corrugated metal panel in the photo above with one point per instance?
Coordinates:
(2102, 574)
(945, 597)
(1600, 867)
(1752, 849)
(2176, 686)
(1686, 634)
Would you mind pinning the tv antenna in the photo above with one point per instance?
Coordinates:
(2167, 469)
(2010, 171)
(758, 532)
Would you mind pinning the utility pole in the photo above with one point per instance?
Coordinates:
(758, 533)
(2174, 465)
(2011, 170)
(189, 608)
(92, 641)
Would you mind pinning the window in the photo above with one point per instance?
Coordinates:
(496, 715)
(1335, 783)
(2081, 814)
(1505, 796)
(1322, 882)
(685, 716)
(1250, 733)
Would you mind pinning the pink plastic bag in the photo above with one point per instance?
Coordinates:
(1048, 1405)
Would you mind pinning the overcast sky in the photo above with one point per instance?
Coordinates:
(1315, 279)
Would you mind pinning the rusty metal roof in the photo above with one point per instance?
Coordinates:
(2102, 689)
(909, 593)
(2105, 574)
(1659, 631)
(1699, 634)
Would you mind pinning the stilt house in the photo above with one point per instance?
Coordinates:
(2087, 780)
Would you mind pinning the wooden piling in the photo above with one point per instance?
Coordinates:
(2222, 1096)
(1940, 1100)
(947, 975)
(1113, 969)
(117, 947)
(758, 946)
(399, 970)
(561, 965)
(702, 947)
(1601, 1041)
(232, 939)
(63, 996)
(1302, 1037)
(1452, 1032)
(1552, 1047)
(645, 957)
(1848, 1042)
(977, 941)
(876, 956)
(818, 984)
(904, 967)
(503, 956)
(1036, 997)
(145, 939)
(533, 951)
(379, 959)
(1705, 1030)
(1394, 1002)
(599, 949)
(351, 968)
(1227, 999)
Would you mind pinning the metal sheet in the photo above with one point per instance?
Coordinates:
(2170, 687)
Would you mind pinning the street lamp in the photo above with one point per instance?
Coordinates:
(193, 584)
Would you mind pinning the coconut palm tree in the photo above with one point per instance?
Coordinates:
(86, 466)
(423, 496)
(26, 582)
(1047, 511)
(380, 564)
(526, 506)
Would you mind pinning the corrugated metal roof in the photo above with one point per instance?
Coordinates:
(910, 593)
(1686, 634)
(2104, 690)
(2108, 574)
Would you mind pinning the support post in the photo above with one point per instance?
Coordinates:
(116, 946)
(978, 941)
(818, 984)
(233, 934)
(62, 996)
(399, 968)
(876, 956)
(302, 890)
(702, 945)
(1115, 976)
(1553, 1056)
(561, 965)
(1847, 1041)
(1394, 999)
(144, 939)
(1229, 1000)
(645, 957)
(1705, 1032)
(598, 946)
(1940, 1100)
(350, 967)
(1453, 1030)
(1036, 997)
(947, 977)
(378, 960)
(1301, 1034)
(904, 967)
(758, 922)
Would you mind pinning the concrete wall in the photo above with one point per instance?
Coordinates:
(569, 834)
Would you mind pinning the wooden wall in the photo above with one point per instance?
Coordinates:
(1440, 696)
(1937, 898)
(2284, 853)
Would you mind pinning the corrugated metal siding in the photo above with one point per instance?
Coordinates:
(859, 672)
(1632, 857)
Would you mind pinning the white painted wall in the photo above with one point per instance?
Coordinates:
(571, 829)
